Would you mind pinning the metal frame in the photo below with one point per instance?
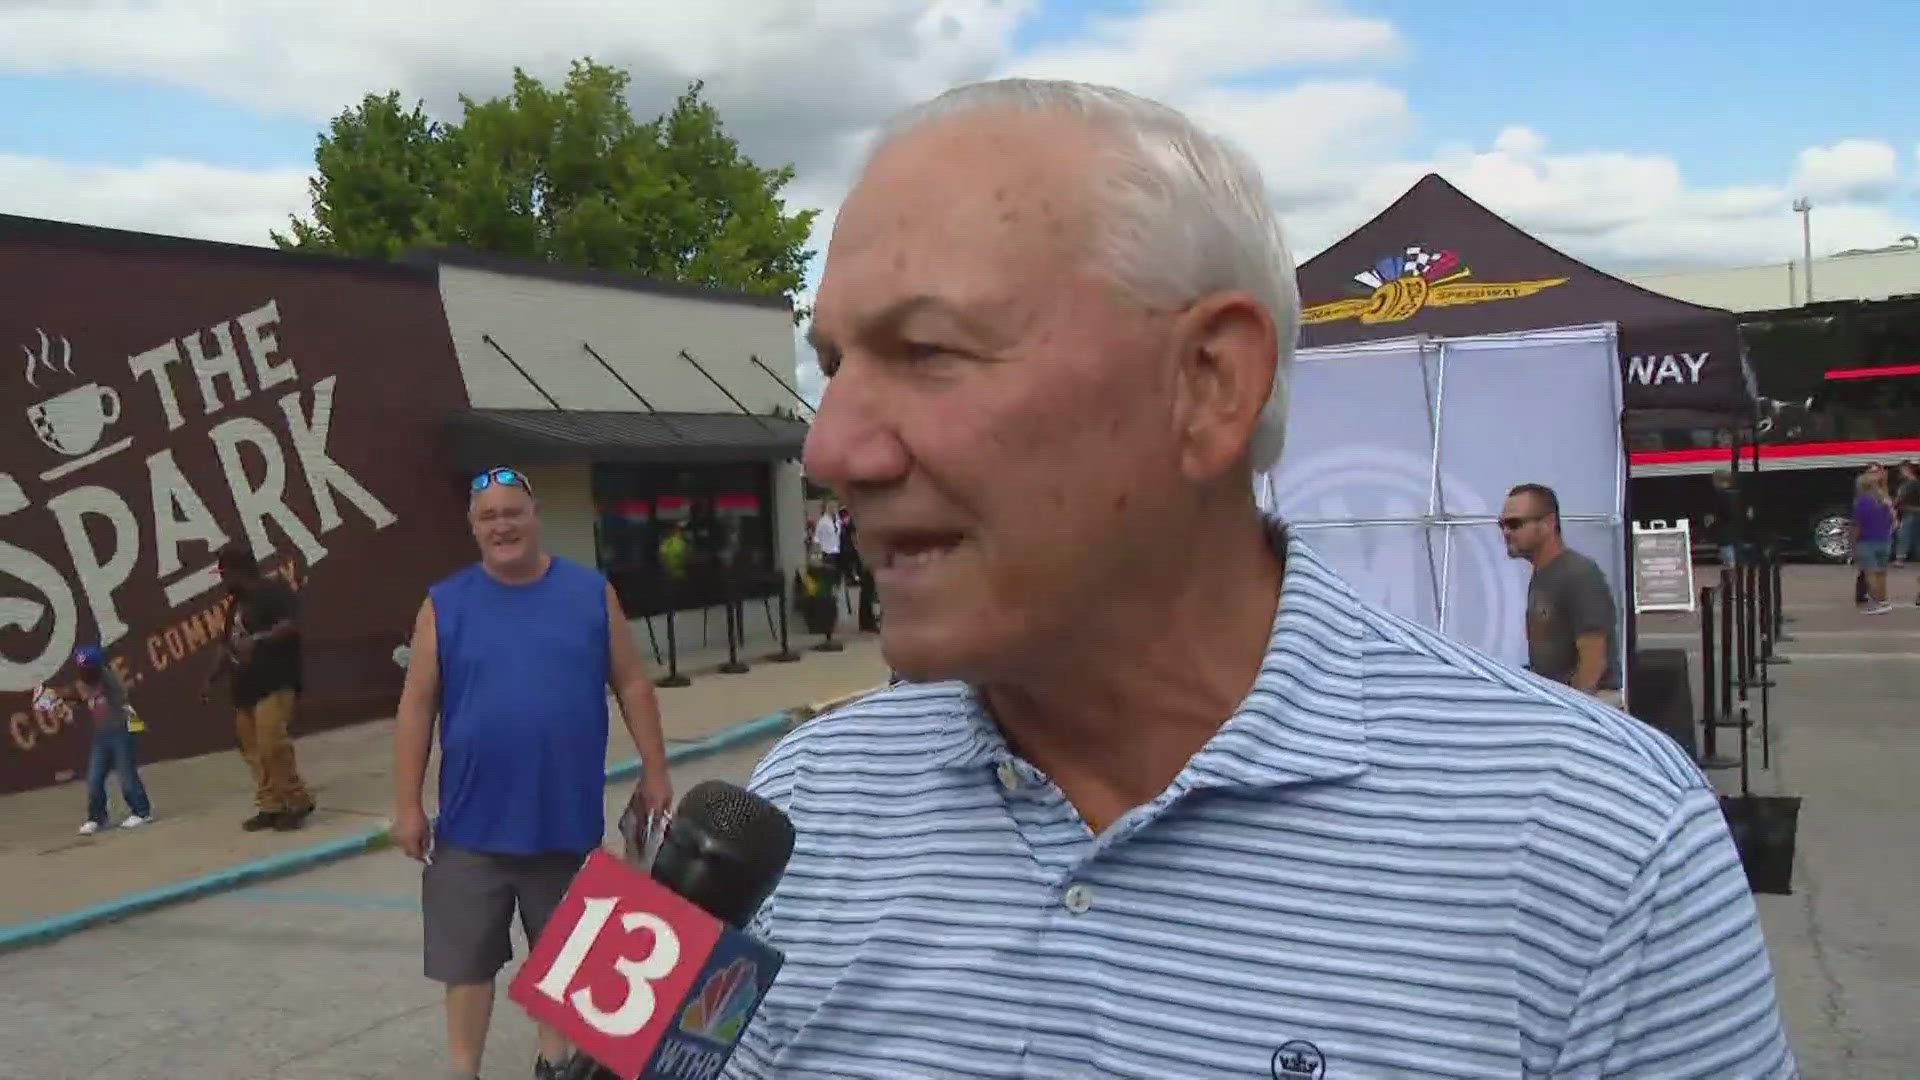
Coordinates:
(1433, 356)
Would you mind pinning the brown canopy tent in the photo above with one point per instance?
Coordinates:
(1436, 262)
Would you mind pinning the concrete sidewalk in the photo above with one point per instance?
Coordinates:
(1846, 740)
(199, 802)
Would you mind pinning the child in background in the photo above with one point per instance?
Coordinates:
(101, 700)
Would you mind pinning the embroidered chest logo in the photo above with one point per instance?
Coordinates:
(1299, 1060)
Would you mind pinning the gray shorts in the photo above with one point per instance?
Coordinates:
(467, 900)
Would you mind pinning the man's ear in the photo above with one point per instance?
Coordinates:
(1226, 352)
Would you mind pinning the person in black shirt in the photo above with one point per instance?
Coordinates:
(260, 661)
(1906, 503)
(856, 573)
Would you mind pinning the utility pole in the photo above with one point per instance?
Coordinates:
(1804, 207)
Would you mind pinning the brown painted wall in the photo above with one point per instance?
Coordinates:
(160, 397)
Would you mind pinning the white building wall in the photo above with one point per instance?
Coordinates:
(565, 493)
(1872, 276)
(545, 324)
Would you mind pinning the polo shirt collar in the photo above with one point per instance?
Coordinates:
(1302, 722)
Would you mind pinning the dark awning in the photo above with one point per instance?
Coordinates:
(481, 438)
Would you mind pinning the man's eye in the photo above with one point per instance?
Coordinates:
(922, 350)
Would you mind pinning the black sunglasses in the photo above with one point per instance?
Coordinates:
(1514, 524)
(500, 474)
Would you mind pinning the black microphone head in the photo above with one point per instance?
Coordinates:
(725, 850)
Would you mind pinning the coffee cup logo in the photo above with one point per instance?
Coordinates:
(70, 422)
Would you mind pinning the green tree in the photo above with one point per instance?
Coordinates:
(563, 175)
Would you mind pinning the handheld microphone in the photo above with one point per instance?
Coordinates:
(652, 976)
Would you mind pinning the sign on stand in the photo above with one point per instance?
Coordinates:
(1663, 567)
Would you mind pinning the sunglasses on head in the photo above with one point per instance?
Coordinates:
(500, 474)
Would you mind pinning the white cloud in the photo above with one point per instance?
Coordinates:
(183, 198)
(1847, 170)
(1621, 211)
(1167, 48)
(1313, 140)
(811, 381)
(1634, 211)
(783, 72)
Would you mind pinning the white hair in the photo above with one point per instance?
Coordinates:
(1186, 212)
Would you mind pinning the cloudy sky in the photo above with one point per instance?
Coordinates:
(1636, 134)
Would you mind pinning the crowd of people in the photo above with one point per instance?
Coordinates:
(1884, 531)
(832, 543)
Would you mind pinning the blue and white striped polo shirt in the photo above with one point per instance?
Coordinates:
(1398, 858)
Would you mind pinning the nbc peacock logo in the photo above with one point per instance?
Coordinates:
(721, 1008)
(1399, 286)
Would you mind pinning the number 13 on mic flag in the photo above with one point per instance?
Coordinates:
(641, 980)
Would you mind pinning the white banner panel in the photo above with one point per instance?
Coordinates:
(1399, 454)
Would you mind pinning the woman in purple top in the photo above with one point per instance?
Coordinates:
(1873, 537)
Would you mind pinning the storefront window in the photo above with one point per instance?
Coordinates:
(683, 537)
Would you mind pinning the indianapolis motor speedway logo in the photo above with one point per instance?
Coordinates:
(1400, 286)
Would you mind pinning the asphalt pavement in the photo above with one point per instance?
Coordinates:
(311, 977)
(1845, 727)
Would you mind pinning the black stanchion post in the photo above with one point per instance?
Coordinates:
(1742, 684)
(1709, 688)
(1737, 598)
(1746, 770)
(651, 639)
(1763, 578)
(1728, 644)
(736, 632)
(1775, 589)
(1780, 615)
(673, 677)
(1743, 623)
(1756, 623)
(1769, 575)
(786, 655)
(1766, 718)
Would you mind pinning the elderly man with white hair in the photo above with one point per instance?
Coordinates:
(1164, 797)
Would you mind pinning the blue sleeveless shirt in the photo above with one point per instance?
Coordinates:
(523, 710)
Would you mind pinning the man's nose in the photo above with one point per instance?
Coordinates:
(854, 440)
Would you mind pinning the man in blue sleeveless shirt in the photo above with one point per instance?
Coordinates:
(515, 654)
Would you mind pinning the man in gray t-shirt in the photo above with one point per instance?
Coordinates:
(1572, 629)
